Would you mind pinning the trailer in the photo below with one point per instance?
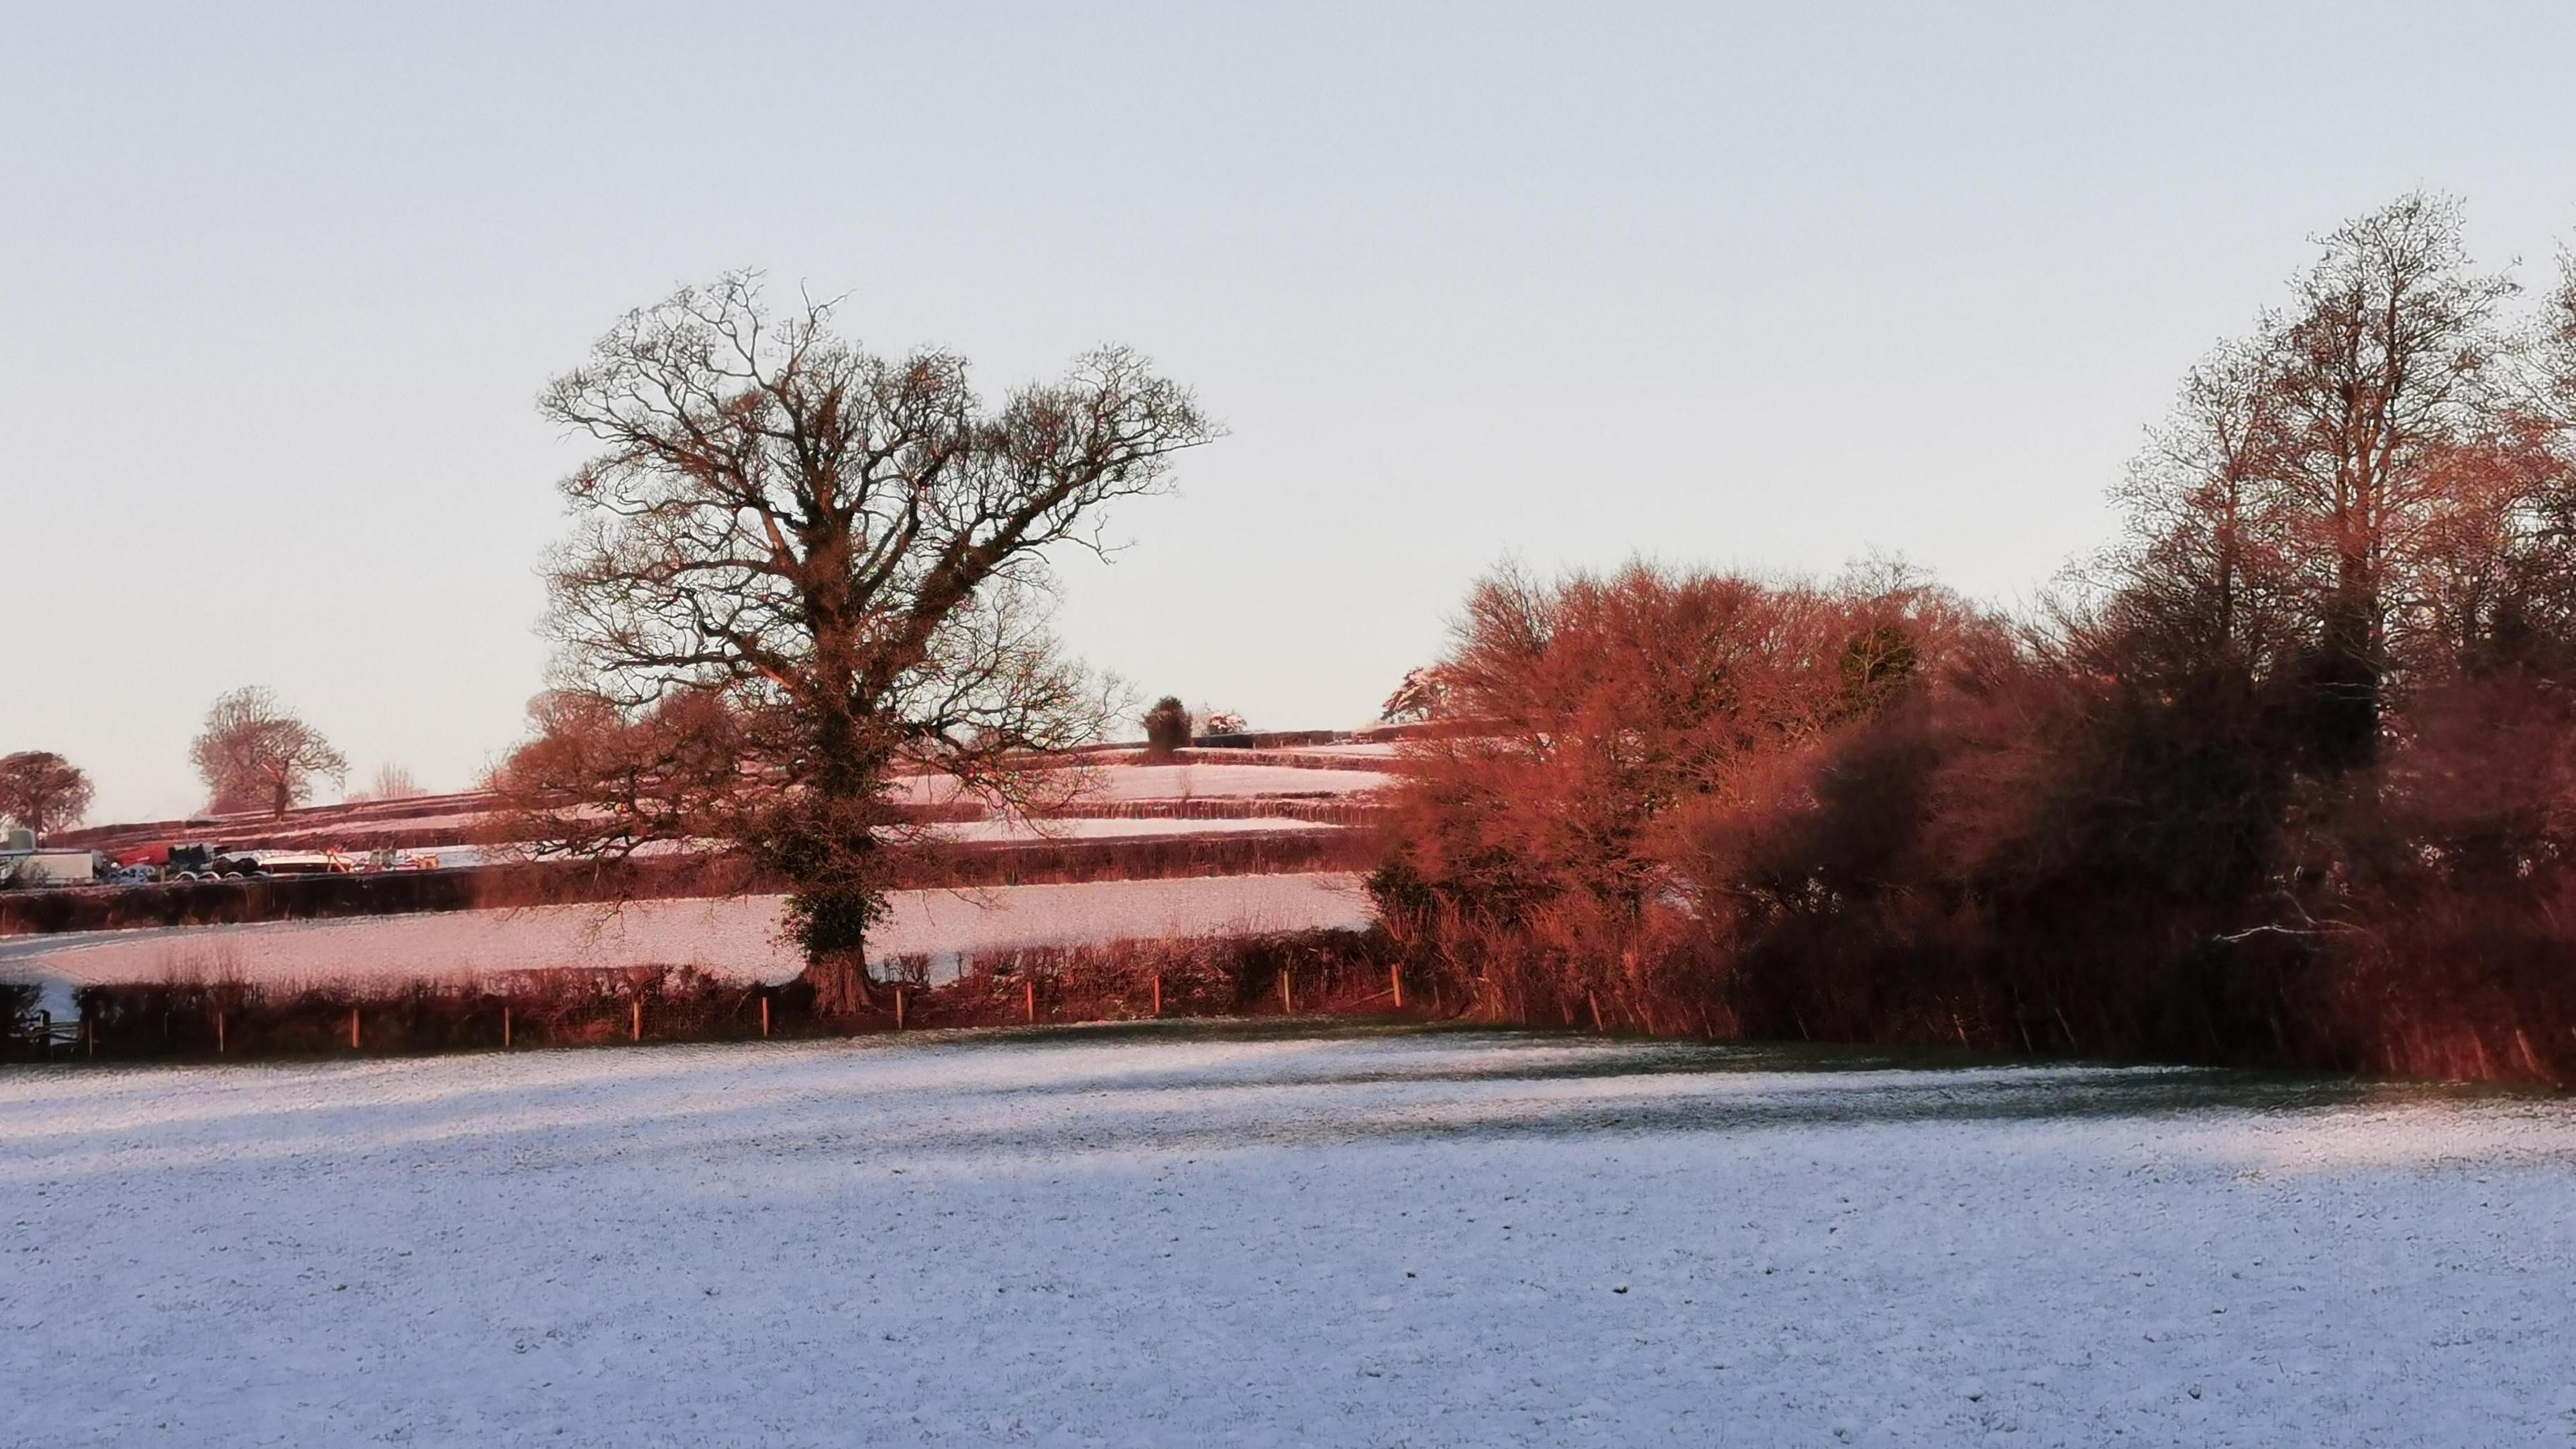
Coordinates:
(41, 869)
(165, 861)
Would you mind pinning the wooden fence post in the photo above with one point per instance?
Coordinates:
(505, 1026)
(637, 1034)
(764, 1017)
(219, 1033)
(1395, 979)
(1029, 990)
(353, 1028)
(1158, 993)
(1286, 1005)
(898, 1008)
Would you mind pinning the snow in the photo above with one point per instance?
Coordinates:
(1183, 782)
(451, 855)
(1176, 1237)
(731, 937)
(1352, 749)
(1050, 828)
(1180, 782)
(1116, 828)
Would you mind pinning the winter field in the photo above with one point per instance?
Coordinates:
(1179, 782)
(962, 832)
(1177, 1236)
(736, 937)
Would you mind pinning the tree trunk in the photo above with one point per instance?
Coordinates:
(840, 982)
(828, 852)
(2344, 686)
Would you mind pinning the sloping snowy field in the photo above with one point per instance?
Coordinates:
(1180, 782)
(974, 831)
(1161, 1237)
(736, 937)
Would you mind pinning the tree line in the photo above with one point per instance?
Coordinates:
(2288, 773)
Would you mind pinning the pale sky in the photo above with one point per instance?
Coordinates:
(1773, 286)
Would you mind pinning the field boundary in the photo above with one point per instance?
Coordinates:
(1275, 975)
(935, 866)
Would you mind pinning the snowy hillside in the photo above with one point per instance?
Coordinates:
(734, 937)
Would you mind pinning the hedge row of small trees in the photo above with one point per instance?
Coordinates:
(1282, 973)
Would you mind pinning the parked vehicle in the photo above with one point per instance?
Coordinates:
(195, 862)
(325, 862)
(38, 869)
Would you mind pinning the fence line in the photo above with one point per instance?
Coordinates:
(1308, 973)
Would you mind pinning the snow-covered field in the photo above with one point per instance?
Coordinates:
(736, 937)
(1113, 828)
(1180, 782)
(962, 831)
(1352, 749)
(1176, 1238)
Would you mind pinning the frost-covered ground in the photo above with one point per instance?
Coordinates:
(963, 831)
(1179, 782)
(730, 937)
(1176, 1238)
(1117, 828)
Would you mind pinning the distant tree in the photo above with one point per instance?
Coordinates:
(1215, 721)
(392, 782)
(42, 791)
(1167, 726)
(1424, 695)
(839, 558)
(254, 755)
(595, 779)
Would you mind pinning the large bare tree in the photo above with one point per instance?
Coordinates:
(800, 568)
(2387, 369)
(2324, 483)
(256, 755)
(42, 791)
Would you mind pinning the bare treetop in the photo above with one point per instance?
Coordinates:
(2357, 490)
(780, 509)
(392, 782)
